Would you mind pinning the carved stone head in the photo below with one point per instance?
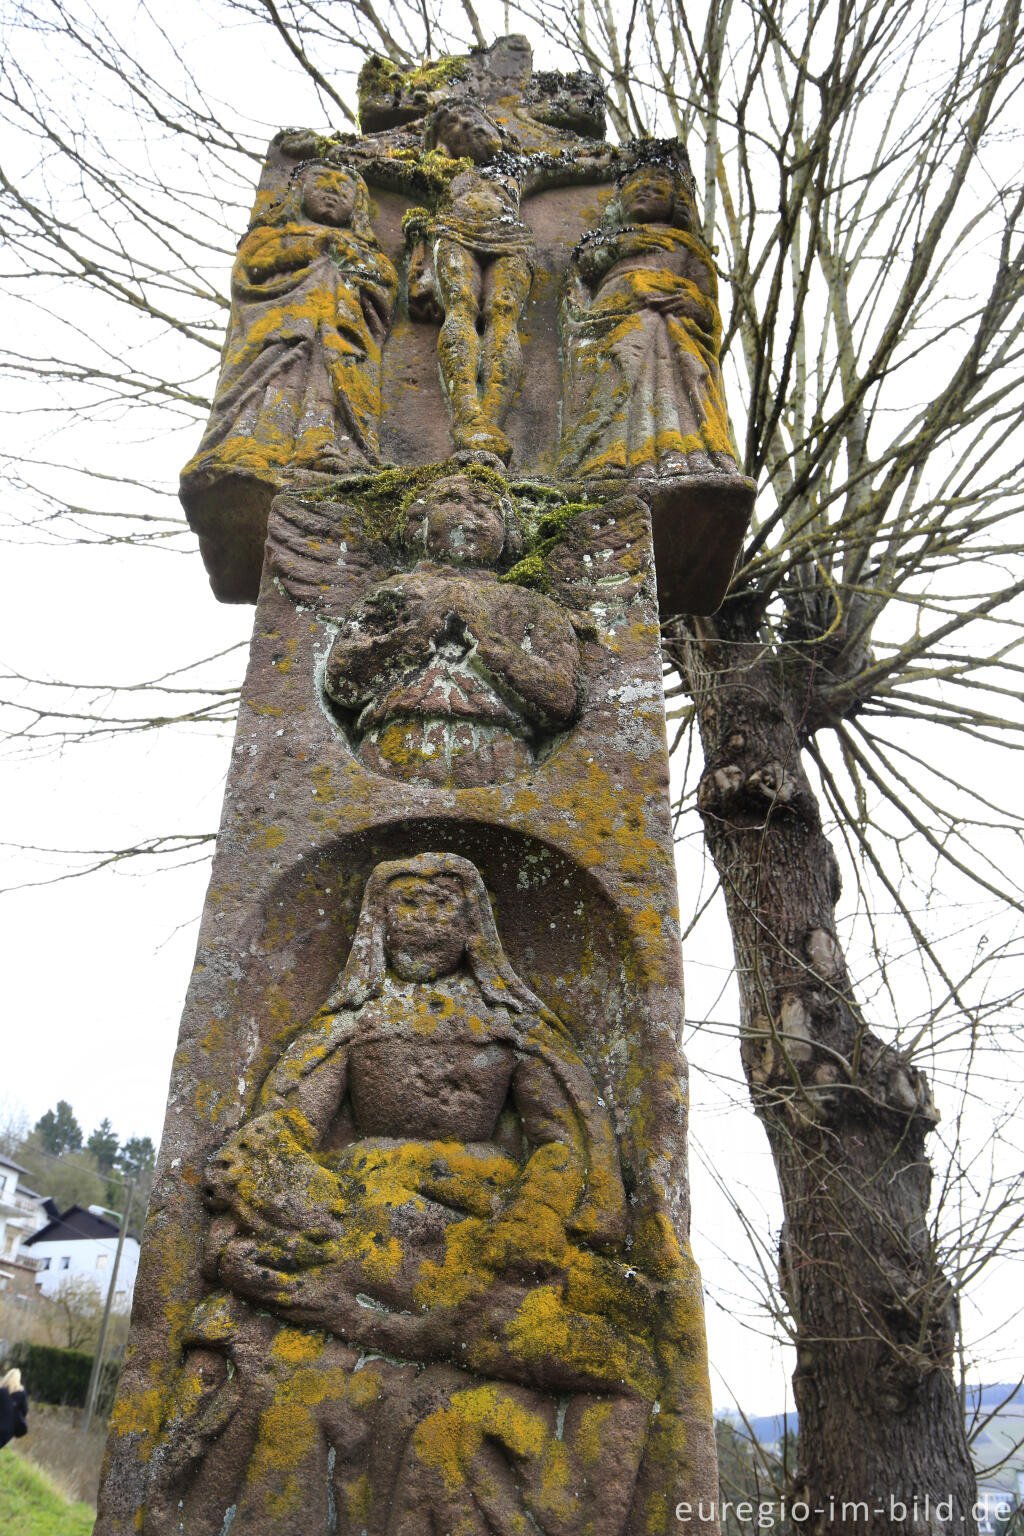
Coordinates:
(328, 196)
(402, 900)
(425, 925)
(658, 190)
(462, 129)
(459, 520)
(320, 193)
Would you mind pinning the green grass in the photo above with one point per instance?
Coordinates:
(31, 1505)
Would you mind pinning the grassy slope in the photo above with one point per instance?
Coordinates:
(31, 1506)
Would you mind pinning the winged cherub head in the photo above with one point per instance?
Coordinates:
(459, 520)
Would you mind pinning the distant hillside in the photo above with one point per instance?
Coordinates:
(766, 1428)
(769, 1428)
(1010, 1393)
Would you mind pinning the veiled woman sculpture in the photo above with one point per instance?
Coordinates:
(429, 1182)
(643, 391)
(313, 295)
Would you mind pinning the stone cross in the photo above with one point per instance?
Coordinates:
(417, 1258)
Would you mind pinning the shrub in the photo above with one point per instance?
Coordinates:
(58, 1375)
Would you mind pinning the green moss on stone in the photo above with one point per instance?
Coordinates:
(549, 527)
(530, 571)
(436, 73)
(385, 497)
(380, 77)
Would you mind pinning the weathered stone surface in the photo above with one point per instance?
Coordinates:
(644, 392)
(501, 209)
(446, 674)
(500, 78)
(475, 273)
(643, 395)
(575, 857)
(430, 1174)
(417, 1259)
(313, 296)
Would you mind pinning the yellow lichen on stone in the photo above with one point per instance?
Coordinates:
(323, 782)
(285, 663)
(642, 334)
(593, 1423)
(139, 1413)
(449, 1438)
(549, 1326)
(288, 1429)
(359, 1499)
(301, 290)
(269, 838)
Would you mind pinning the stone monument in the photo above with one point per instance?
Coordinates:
(417, 1257)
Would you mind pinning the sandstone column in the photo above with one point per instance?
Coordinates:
(417, 1259)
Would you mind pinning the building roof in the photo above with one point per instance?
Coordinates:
(7, 1162)
(76, 1224)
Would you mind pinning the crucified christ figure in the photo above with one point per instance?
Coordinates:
(483, 268)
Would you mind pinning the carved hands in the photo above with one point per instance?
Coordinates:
(265, 1178)
(314, 1275)
(527, 1240)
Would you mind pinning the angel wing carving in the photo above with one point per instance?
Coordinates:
(599, 558)
(322, 555)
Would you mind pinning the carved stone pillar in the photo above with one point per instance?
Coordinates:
(417, 1258)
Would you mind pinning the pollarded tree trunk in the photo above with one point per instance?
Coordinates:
(846, 1116)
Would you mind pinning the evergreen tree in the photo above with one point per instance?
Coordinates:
(58, 1130)
(68, 1179)
(103, 1145)
(137, 1155)
(135, 1164)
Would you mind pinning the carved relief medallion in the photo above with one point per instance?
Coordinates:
(458, 654)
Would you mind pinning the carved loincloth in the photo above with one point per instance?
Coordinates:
(489, 240)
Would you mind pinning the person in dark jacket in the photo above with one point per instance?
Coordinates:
(13, 1408)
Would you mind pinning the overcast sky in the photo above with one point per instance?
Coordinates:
(95, 969)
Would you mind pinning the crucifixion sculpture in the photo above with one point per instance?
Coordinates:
(418, 1256)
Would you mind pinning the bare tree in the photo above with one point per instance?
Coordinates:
(862, 190)
(73, 1312)
(850, 616)
(14, 1124)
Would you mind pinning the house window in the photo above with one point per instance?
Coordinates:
(65, 1262)
(101, 1260)
(44, 1263)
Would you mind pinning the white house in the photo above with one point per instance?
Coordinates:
(82, 1244)
(21, 1214)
